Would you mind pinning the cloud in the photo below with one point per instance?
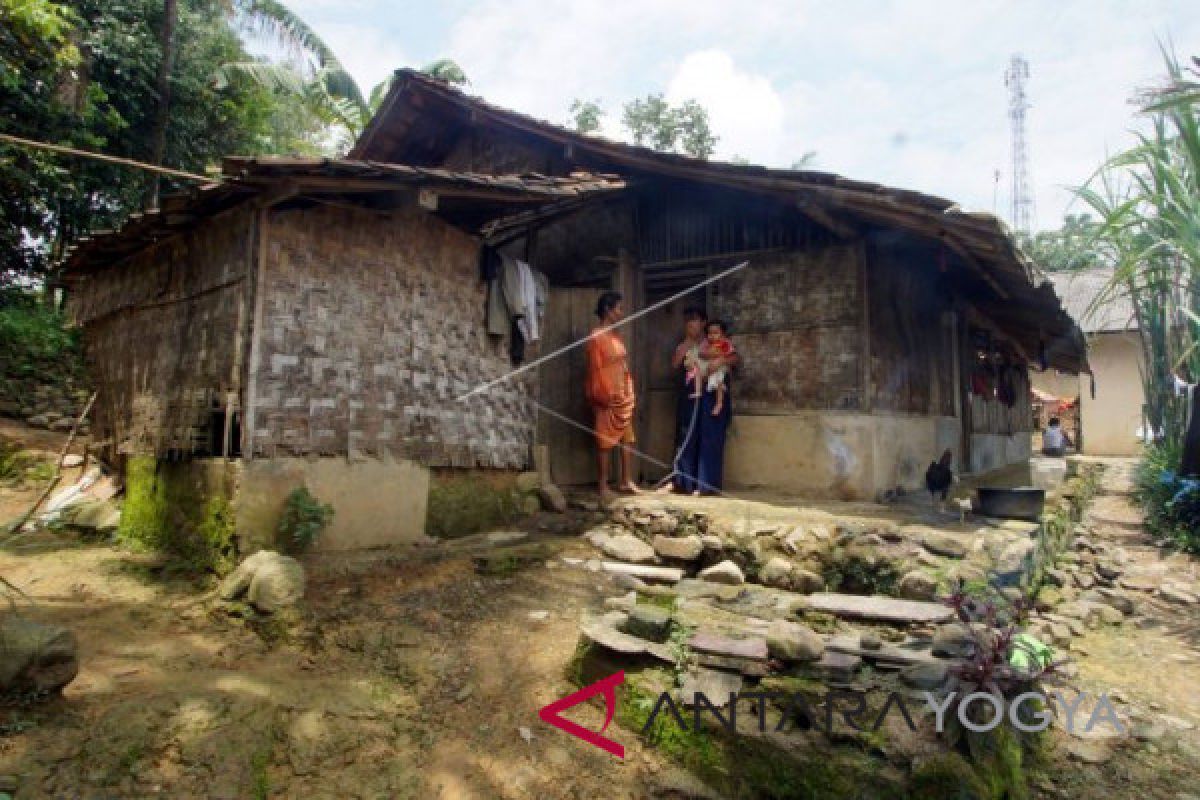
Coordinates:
(905, 93)
(744, 109)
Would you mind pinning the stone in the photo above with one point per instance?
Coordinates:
(661, 574)
(1121, 602)
(1015, 563)
(96, 516)
(38, 421)
(648, 622)
(72, 460)
(528, 482)
(942, 545)
(712, 542)
(1056, 577)
(623, 603)
(777, 572)
(838, 667)
(35, 656)
(805, 581)
(869, 640)
(878, 608)
(791, 641)
(726, 572)
(715, 685)
(753, 648)
(925, 676)
(1174, 595)
(1138, 583)
(684, 548)
(1084, 580)
(278, 582)
(1086, 612)
(552, 498)
(62, 424)
(1047, 598)
(1090, 751)
(627, 547)
(603, 632)
(953, 641)
(917, 585)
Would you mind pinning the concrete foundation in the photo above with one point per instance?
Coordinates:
(376, 502)
(845, 455)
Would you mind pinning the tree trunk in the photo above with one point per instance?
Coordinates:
(158, 132)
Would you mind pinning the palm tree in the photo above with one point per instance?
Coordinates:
(311, 71)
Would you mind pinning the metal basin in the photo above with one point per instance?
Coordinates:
(1020, 503)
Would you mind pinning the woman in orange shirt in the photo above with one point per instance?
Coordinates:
(609, 392)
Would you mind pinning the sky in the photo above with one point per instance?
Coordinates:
(906, 93)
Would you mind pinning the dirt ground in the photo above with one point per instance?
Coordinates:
(414, 674)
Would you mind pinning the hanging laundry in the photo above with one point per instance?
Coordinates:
(516, 304)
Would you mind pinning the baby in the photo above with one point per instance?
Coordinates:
(716, 346)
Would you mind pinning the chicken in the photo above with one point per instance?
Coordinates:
(939, 477)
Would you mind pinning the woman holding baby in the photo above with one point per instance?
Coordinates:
(703, 360)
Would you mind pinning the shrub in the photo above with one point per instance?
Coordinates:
(304, 517)
(1171, 503)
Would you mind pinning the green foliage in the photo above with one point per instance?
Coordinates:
(18, 467)
(181, 510)
(447, 71)
(586, 115)
(1171, 504)
(304, 517)
(947, 776)
(82, 73)
(653, 122)
(1148, 203)
(35, 342)
(1066, 249)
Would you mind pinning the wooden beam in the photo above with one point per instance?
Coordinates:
(824, 219)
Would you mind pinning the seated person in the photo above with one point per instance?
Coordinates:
(1055, 439)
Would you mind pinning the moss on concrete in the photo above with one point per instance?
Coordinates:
(465, 502)
(183, 509)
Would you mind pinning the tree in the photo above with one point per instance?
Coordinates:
(652, 122)
(84, 73)
(1069, 248)
(586, 115)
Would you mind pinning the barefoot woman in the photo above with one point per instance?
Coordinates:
(610, 393)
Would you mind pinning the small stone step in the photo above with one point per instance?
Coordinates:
(754, 648)
(665, 574)
(878, 608)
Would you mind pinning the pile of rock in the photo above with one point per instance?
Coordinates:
(45, 405)
(539, 492)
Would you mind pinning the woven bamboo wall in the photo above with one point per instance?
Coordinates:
(160, 338)
(372, 325)
(796, 318)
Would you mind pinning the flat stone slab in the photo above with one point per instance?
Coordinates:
(879, 608)
(603, 631)
(753, 669)
(665, 574)
(885, 652)
(754, 648)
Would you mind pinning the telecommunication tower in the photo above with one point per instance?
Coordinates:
(1015, 76)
